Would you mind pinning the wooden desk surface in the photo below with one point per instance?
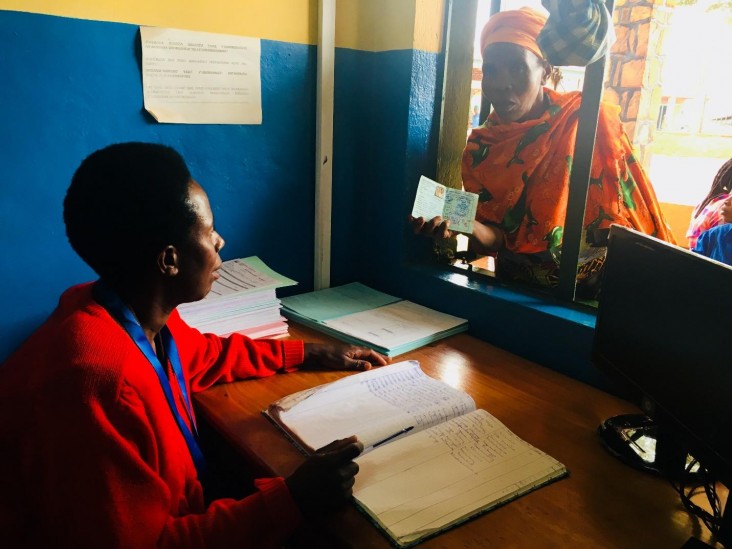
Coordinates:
(603, 503)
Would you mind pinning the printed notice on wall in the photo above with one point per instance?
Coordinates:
(200, 77)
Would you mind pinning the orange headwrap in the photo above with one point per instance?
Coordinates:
(520, 27)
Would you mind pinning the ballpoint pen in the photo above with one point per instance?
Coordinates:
(390, 437)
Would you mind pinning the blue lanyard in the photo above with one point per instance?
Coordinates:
(106, 297)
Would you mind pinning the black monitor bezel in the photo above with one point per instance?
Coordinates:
(664, 413)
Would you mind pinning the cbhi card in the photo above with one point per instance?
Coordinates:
(455, 205)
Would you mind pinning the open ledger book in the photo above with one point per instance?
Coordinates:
(430, 460)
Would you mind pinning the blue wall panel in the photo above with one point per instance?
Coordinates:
(72, 86)
(386, 133)
(385, 137)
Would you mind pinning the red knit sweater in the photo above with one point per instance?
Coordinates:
(91, 454)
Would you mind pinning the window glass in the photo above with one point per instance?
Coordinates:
(672, 94)
(571, 79)
(675, 102)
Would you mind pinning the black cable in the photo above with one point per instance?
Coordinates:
(701, 481)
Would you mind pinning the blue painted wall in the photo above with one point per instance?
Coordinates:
(375, 117)
(71, 86)
(386, 133)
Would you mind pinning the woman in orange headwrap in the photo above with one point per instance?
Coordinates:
(519, 163)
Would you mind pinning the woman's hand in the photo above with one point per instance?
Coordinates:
(325, 481)
(436, 228)
(341, 357)
(484, 240)
(726, 211)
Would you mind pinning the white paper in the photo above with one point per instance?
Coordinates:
(427, 481)
(243, 299)
(193, 77)
(455, 205)
(334, 302)
(248, 274)
(395, 324)
(372, 405)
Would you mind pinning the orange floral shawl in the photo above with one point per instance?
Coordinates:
(520, 170)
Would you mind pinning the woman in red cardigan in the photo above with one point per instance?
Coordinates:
(100, 447)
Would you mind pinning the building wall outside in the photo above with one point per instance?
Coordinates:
(681, 164)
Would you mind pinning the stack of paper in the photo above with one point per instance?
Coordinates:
(360, 315)
(243, 300)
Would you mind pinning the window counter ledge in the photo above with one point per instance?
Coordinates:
(540, 328)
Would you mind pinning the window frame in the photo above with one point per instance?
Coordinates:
(459, 15)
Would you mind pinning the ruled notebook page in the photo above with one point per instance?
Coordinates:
(429, 481)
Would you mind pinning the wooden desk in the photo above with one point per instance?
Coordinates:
(603, 503)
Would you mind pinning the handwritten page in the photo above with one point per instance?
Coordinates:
(193, 77)
(441, 476)
(372, 405)
(395, 324)
(455, 205)
(453, 463)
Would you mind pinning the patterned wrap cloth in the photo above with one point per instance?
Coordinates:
(577, 33)
(520, 27)
(710, 216)
(521, 170)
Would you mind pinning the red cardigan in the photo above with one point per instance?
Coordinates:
(91, 454)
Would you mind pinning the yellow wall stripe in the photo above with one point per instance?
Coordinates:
(370, 25)
(288, 21)
(380, 25)
(429, 16)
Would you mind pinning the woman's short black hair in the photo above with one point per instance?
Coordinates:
(126, 202)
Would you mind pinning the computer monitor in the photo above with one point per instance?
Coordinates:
(664, 335)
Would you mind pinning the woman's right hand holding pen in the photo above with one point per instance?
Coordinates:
(325, 481)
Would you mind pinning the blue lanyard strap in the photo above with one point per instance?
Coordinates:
(106, 297)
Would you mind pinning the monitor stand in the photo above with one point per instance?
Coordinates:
(639, 442)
